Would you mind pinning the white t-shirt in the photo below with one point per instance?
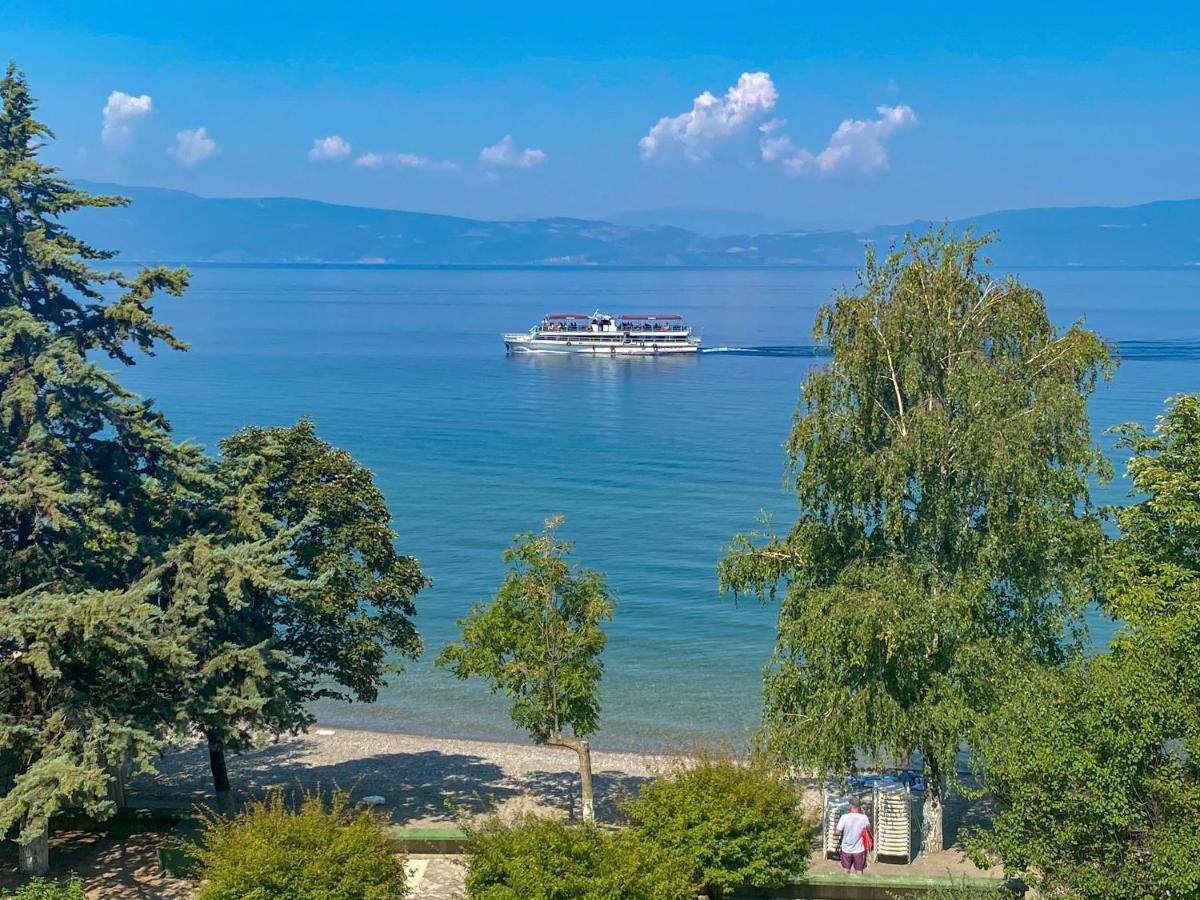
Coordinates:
(852, 825)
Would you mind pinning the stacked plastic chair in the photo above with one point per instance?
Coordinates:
(837, 797)
(892, 821)
(836, 804)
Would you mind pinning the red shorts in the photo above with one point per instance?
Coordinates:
(855, 861)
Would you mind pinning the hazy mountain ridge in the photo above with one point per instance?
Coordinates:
(168, 225)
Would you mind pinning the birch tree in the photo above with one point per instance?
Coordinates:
(539, 641)
(945, 531)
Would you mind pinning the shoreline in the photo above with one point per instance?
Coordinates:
(423, 779)
(604, 742)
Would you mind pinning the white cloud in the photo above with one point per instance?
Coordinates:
(120, 114)
(856, 145)
(712, 119)
(505, 153)
(332, 147)
(193, 145)
(403, 161)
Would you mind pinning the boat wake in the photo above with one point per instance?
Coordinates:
(775, 350)
(1145, 350)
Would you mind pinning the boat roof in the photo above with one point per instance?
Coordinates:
(652, 318)
(568, 316)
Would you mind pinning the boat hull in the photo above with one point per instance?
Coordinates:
(523, 343)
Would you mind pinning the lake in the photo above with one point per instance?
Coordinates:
(655, 463)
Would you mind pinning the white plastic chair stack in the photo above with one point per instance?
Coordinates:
(835, 806)
(893, 821)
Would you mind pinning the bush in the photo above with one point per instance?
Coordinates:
(545, 859)
(738, 824)
(271, 851)
(42, 889)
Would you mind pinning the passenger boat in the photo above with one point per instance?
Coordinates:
(604, 335)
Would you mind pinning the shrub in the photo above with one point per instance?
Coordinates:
(739, 824)
(272, 851)
(43, 889)
(545, 859)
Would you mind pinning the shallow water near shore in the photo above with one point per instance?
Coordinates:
(654, 462)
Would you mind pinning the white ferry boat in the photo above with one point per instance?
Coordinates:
(603, 335)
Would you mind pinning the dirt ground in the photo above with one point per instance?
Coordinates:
(112, 867)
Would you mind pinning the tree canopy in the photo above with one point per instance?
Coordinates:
(90, 485)
(1093, 770)
(539, 641)
(945, 533)
(294, 593)
(147, 589)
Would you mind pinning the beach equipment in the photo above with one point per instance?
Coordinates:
(892, 819)
(836, 803)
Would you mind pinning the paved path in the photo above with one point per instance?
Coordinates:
(437, 878)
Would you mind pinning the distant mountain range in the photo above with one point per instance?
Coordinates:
(713, 223)
(167, 225)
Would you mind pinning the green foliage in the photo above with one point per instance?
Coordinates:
(540, 639)
(545, 859)
(945, 533)
(44, 889)
(342, 542)
(739, 825)
(311, 853)
(90, 481)
(1094, 770)
(962, 890)
(295, 591)
(144, 587)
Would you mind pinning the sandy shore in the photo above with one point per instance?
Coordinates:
(424, 780)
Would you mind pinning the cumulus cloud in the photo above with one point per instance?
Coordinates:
(120, 114)
(332, 147)
(193, 145)
(713, 119)
(506, 153)
(856, 145)
(401, 160)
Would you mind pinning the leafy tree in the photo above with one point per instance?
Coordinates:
(739, 824)
(944, 532)
(90, 481)
(539, 641)
(313, 613)
(313, 852)
(537, 858)
(1094, 770)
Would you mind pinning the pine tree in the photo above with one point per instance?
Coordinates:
(147, 590)
(297, 593)
(89, 476)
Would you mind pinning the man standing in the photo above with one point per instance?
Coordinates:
(851, 827)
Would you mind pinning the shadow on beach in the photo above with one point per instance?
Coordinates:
(418, 787)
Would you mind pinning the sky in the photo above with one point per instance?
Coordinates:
(811, 114)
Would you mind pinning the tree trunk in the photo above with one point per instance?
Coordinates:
(116, 781)
(216, 761)
(931, 813)
(584, 750)
(34, 857)
(585, 782)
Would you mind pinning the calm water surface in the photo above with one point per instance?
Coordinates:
(654, 462)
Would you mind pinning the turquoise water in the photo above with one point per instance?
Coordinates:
(654, 462)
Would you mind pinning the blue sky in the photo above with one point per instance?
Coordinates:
(848, 113)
